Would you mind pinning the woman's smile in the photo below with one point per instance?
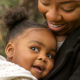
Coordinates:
(56, 27)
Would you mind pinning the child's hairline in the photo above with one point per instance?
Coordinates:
(22, 31)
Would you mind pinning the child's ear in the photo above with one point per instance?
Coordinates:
(9, 50)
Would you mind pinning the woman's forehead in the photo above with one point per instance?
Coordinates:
(67, 1)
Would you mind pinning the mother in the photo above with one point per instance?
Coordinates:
(63, 17)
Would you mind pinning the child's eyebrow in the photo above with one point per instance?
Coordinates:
(53, 50)
(35, 41)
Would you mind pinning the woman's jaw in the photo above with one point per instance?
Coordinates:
(63, 29)
(55, 27)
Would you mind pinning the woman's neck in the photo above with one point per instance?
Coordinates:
(61, 38)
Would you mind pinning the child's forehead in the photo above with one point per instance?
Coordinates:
(35, 30)
(38, 34)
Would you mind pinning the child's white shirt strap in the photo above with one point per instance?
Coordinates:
(2, 58)
(11, 71)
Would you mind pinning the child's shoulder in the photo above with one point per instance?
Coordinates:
(9, 70)
(2, 58)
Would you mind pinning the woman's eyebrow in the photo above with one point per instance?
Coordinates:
(68, 2)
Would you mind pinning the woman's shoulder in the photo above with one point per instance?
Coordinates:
(72, 40)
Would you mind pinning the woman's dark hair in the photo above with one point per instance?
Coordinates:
(16, 20)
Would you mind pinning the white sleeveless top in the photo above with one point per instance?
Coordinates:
(11, 71)
(59, 44)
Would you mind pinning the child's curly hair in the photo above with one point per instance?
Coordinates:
(16, 20)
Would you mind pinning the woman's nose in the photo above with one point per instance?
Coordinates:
(53, 15)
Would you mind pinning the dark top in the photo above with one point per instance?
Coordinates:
(67, 63)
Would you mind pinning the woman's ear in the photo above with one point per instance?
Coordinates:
(9, 50)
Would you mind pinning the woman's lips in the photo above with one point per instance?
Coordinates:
(56, 27)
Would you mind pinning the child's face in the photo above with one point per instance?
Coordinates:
(34, 50)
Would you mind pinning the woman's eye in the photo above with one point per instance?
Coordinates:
(45, 2)
(68, 9)
(35, 49)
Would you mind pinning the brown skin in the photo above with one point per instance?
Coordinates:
(33, 50)
(63, 13)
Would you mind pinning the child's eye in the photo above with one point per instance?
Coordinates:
(50, 56)
(35, 49)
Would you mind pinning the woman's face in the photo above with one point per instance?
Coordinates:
(62, 16)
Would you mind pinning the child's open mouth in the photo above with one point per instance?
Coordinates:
(38, 68)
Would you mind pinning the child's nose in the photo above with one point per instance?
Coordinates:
(42, 58)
